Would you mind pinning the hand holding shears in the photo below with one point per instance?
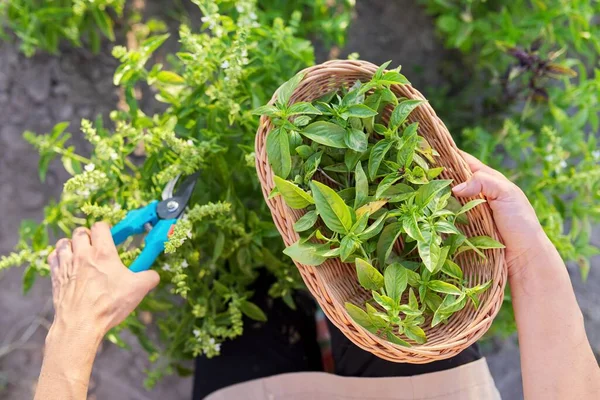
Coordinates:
(158, 218)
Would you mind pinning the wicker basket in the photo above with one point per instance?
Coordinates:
(334, 283)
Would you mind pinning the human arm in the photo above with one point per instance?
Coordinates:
(557, 361)
(92, 292)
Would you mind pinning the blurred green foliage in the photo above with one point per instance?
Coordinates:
(43, 24)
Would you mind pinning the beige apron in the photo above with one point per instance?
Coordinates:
(471, 381)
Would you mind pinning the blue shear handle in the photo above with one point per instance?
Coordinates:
(154, 245)
(133, 223)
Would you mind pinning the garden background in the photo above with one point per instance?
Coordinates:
(39, 91)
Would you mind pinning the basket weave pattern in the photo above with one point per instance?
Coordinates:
(333, 283)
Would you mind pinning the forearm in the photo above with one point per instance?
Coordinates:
(67, 365)
(556, 359)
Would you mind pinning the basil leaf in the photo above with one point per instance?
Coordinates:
(347, 247)
(388, 237)
(331, 253)
(396, 280)
(454, 241)
(474, 299)
(444, 287)
(434, 172)
(348, 195)
(449, 305)
(438, 317)
(410, 225)
(304, 151)
(415, 333)
(386, 183)
(354, 95)
(311, 165)
(446, 227)
(380, 70)
(332, 209)
(479, 288)
(360, 111)
(303, 107)
(394, 78)
(372, 102)
(401, 112)
(351, 158)
(267, 110)
(339, 168)
(384, 301)
(406, 152)
(295, 139)
(455, 206)
(417, 176)
(306, 222)
(373, 230)
(252, 311)
(294, 196)
(485, 242)
(429, 250)
(278, 152)
(377, 318)
(356, 140)
(407, 310)
(302, 120)
(417, 159)
(362, 186)
(378, 152)
(326, 133)
(414, 279)
(307, 253)
(469, 246)
(433, 301)
(284, 93)
(380, 128)
(371, 208)
(454, 304)
(443, 256)
(412, 300)
(360, 224)
(368, 276)
(359, 316)
(450, 268)
(426, 193)
(396, 340)
(471, 204)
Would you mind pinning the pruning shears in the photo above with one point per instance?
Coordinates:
(158, 218)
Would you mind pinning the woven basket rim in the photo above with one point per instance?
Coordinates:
(284, 217)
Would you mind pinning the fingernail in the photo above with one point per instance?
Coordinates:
(460, 187)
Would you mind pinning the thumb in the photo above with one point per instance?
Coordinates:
(145, 281)
(491, 186)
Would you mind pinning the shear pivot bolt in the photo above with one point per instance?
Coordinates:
(172, 206)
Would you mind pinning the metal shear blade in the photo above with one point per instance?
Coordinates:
(173, 205)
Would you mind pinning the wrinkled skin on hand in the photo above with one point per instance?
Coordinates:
(92, 290)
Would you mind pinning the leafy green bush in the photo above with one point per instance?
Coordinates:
(227, 237)
(42, 24)
(522, 110)
(363, 214)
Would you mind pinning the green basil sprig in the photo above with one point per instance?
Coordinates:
(366, 183)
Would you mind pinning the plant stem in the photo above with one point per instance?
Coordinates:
(328, 177)
(72, 156)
